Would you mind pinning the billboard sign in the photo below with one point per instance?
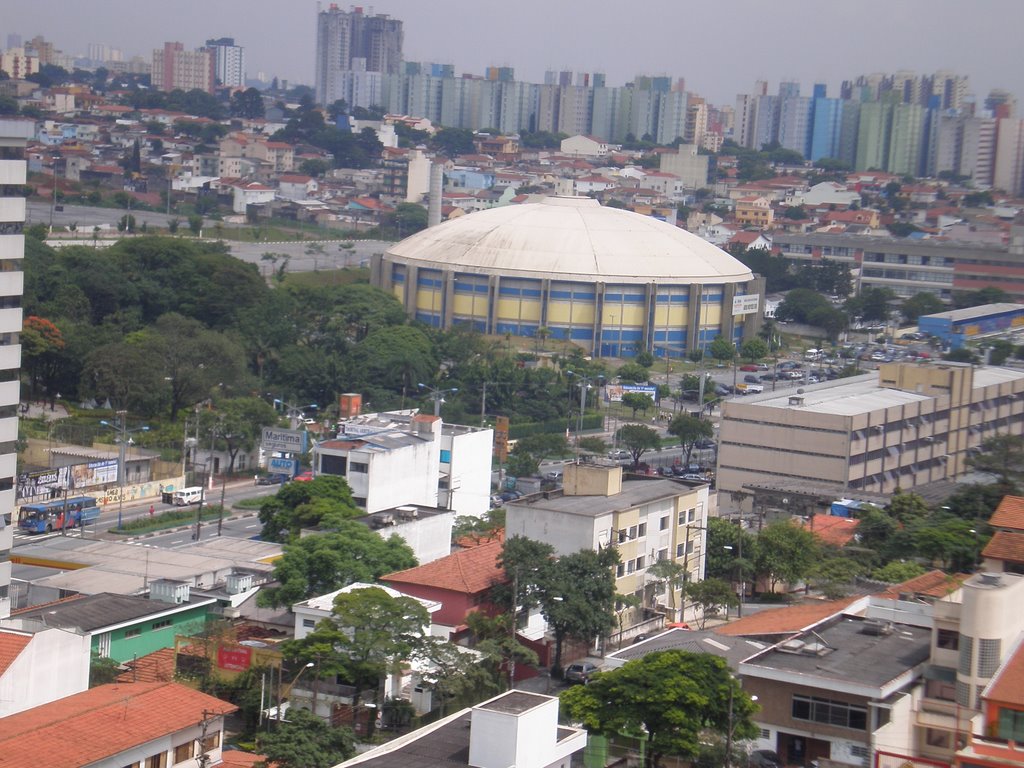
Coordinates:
(746, 305)
(281, 466)
(613, 392)
(284, 440)
(236, 659)
(501, 437)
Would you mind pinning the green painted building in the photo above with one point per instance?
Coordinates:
(123, 627)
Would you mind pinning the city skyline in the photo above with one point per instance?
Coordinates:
(808, 42)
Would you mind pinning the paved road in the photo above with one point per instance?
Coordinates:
(87, 217)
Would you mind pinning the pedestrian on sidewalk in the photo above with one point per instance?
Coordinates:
(152, 509)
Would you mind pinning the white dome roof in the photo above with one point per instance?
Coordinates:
(570, 238)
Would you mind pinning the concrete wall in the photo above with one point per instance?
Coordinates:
(53, 665)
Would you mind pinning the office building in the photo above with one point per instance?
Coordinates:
(827, 128)
(908, 266)
(347, 37)
(14, 135)
(229, 62)
(174, 68)
(909, 424)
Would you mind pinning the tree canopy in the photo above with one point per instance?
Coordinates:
(323, 563)
(672, 696)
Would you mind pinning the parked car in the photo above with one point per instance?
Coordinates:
(619, 455)
(749, 367)
(304, 477)
(580, 672)
(496, 501)
(751, 378)
(553, 476)
(271, 479)
(704, 443)
(764, 758)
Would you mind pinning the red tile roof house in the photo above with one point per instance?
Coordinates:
(160, 724)
(461, 582)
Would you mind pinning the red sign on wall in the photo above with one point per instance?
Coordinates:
(237, 658)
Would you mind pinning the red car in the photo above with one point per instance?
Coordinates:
(304, 477)
(749, 367)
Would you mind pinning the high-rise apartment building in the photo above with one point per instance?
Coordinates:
(14, 134)
(1008, 172)
(229, 62)
(345, 37)
(174, 68)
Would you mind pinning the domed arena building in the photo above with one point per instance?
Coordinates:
(613, 281)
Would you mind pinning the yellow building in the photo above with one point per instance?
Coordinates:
(754, 212)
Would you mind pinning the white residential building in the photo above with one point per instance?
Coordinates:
(400, 458)
(14, 134)
(41, 664)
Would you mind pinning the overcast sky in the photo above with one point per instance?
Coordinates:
(719, 48)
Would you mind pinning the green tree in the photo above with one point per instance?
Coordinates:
(786, 553)
(195, 224)
(637, 401)
(670, 576)
(906, 508)
(316, 565)
(872, 304)
(638, 439)
(1002, 456)
(671, 696)
(522, 463)
(754, 349)
(323, 503)
(247, 104)
(305, 741)
(593, 445)
(711, 596)
(898, 571)
(577, 597)
(407, 219)
(369, 634)
(689, 429)
(632, 373)
(923, 303)
(453, 142)
(722, 349)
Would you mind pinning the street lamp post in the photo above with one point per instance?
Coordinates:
(437, 395)
(282, 695)
(123, 436)
(584, 383)
(293, 412)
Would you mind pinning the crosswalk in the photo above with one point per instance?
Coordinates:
(38, 537)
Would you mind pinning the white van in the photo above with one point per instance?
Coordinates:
(187, 496)
(812, 354)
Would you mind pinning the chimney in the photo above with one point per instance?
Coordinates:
(436, 190)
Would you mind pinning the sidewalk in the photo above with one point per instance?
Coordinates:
(39, 409)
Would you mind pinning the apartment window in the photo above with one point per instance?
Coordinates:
(680, 550)
(936, 738)
(1011, 725)
(859, 751)
(641, 530)
(640, 562)
(157, 761)
(663, 525)
(183, 752)
(630, 566)
(662, 554)
(966, 651)
(632, 532)
(358, 466)
(620, 570)
(817, 710)
(211, 741)
(622, 535)
(988, 657)
(943, 690)
(161, 624)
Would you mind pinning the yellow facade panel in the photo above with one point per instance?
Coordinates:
(470, 306)
(519, 309)
(428, 300)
